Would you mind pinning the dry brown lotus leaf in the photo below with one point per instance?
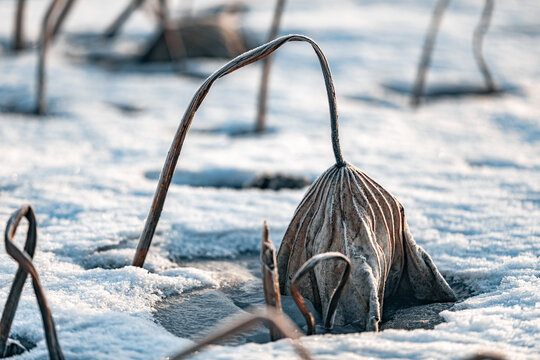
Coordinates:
(345, 211)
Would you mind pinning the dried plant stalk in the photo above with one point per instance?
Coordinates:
(269, 317)
(478, 40)
(265, 75)
(113, 29)
(66, 9)
(429, 43)
(176, 146)
(270, 278)
(47, 29)
(24, 258)
(427, 51)
(18, 31)
(346, 211)
(334, 297)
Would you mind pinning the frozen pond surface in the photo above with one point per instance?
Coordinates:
(467, 170)
(193, 314)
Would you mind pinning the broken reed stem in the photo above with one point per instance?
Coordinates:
(336, 294)
(173, 40)
(427, 50)
(178, 141)
(478, 39)
(270, 278)
(113, 29)
(268, 317)
(265, 75)
(20, 277)
(46, 34)
(24, 258)
(18, 30)
(62, 17)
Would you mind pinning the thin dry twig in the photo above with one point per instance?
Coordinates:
(47, 29)
(427, 51)
(24, 258)
(265, 75)
(478, 40)
(114, 28)
(332, 305)
(268, 317)
(429, 43)
(62, 17)
(178, 141)
(270, 278)
(18, 31)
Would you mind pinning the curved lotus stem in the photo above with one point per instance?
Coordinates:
(24, 258)
(332, 305)
(478, 38)
(62, 17)
(18, 36)
(176, 146)
(268, 317)
(263, 88)
(47, 30)
(113, 29)
(270, 277)
(427, 50)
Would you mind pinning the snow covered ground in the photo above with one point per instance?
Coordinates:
(466, 170)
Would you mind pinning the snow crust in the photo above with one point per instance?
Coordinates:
(466, 170)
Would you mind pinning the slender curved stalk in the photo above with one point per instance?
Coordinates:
(113, 29)
(172, 39)
(478, 39)
(46, 34)
(268, 317)
(270, 278)
(18, 33)
(265, 75)
(178, 141)
(62, 17)
(332, 305)
(24, 258)
(427, 51)
(20, 277)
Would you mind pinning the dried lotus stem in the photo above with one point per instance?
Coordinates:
(62, 17)
(263, 88)
(268, 317)
(270, 278)
(427, 51)
(332, 305)
(24, 258)
(478, 39)
(429, 43)
(47, 30)
(18, 33)
(178, 141)
(113, 29)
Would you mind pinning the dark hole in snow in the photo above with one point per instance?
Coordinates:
(442, 91)
(8, 187)
(371, 100)
(235, 179)
(125, 108)
(237, 129)
(202, 311)
(17, 346)
(498, 163)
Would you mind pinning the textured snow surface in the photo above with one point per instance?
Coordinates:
(467, 171)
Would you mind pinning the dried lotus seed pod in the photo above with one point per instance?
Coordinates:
(345, 211)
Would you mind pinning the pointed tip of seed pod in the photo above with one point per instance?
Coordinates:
(266, 232)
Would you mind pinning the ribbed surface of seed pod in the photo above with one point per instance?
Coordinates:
(344, 210)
